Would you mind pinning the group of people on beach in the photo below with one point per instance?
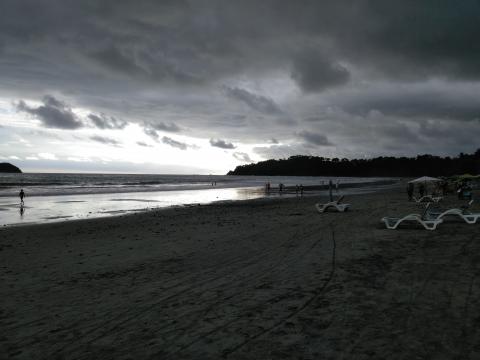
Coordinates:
(411, 188)
(299, 189)
(281, 188)
(441, 187)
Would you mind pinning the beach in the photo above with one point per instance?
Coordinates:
(56, 197)
(254, 279)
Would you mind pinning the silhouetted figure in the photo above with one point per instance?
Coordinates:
(21, 195)
(464, 192)
(280, 187)
(410, 191)
(421, 190)
(267, 187)
(297, 189)
(330, 185)
(444, 187)
(301, 190)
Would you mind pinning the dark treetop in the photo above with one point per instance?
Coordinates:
(9, 168)
(301, 165)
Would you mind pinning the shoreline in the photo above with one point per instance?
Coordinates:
(39, 209)
(122, 189)
(239, 280)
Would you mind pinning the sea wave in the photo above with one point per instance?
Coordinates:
(38, 184)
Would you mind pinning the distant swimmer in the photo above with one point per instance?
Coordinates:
(21, 195)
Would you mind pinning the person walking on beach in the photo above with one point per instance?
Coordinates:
(301, 189)
(21, 195)
(410, 191)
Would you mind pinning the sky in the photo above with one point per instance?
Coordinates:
(201, 86)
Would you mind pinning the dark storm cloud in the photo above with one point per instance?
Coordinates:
(146, 66)
(167, 59)
(53, 113)
(256, 102)
(438, 100)
(185, 41)
(240, 156)
(259, 103)
(401, 133)
(141, 143)
(115, 60)
(105, 140)
(150, 128)
(314, 138)
(436, 132)
(174, 143)
(415, 39)
(103, 121)
(162, 126)
(57, 114)
(314, 72)
(222, 144)
(281, 151)
(152, 133)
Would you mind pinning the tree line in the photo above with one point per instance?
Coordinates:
(302, 165)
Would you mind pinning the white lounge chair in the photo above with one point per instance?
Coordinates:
(429, 224)
(468, 218)
(332, 205)
(463, 214)
(428, 198)
(393, 223)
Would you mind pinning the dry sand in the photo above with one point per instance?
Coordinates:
(245, 280)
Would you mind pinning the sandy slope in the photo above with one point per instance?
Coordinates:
(246, 280)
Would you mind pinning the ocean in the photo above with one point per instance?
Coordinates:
(58, 196)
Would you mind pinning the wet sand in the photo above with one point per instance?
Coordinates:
(53, 208)
(258, 279)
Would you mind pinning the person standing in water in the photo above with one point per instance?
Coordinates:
(21, 195)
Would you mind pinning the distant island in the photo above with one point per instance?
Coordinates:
(9, 168)
(301, 165)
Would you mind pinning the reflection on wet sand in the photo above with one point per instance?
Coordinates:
(56, 208)
(69, 207)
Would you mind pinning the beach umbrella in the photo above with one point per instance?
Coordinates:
(425, 179)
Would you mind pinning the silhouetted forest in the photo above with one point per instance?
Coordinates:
(301, 165)
(9, 168)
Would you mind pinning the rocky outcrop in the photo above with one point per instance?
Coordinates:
(9, 168)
